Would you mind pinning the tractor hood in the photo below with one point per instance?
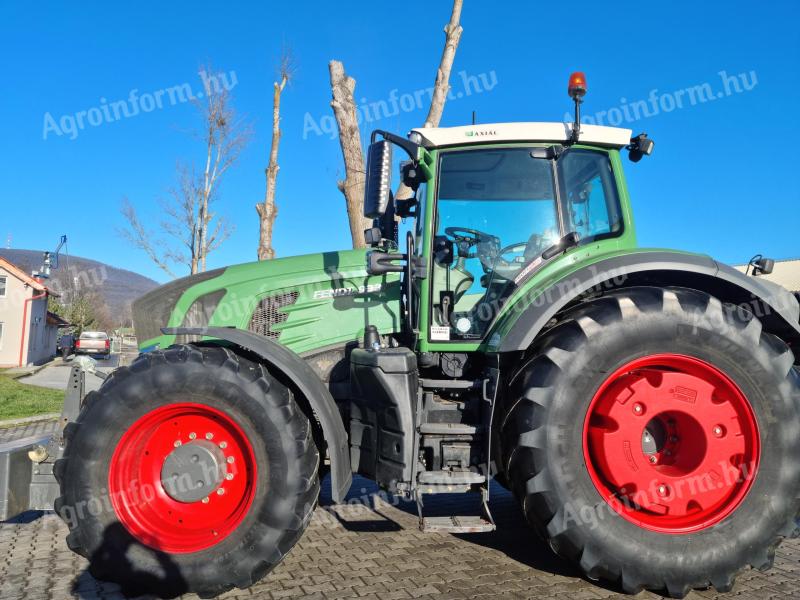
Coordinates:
(303, 302)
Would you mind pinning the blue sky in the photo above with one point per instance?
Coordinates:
(721, 180)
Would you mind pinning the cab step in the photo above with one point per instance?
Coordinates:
(448, 429)
(450, 478)
(456, 524)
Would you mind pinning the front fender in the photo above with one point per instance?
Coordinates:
(535, 308)
(307, 382)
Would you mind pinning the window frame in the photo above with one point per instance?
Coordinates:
(564, 201)
(4, 279)
(561, 210)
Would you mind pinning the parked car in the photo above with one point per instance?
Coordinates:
(65, 345)
(93, 342)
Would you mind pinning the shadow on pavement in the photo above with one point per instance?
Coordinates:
(513, 537)
(112, 558)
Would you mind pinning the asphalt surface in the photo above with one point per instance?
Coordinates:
(56, 374)
(367, 547)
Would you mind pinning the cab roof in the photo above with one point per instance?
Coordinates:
(435, 137)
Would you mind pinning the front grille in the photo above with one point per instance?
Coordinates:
(269, 313)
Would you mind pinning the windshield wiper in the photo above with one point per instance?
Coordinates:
(570, 240)
(565, 243)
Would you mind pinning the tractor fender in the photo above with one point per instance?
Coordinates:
(780, 308)
(307, 382)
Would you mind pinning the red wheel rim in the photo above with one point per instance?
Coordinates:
(145, 506)
(671, 443)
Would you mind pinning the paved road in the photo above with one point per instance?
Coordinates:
(368, 548)
(56, 374)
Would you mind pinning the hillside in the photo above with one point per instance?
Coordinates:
(117, 287)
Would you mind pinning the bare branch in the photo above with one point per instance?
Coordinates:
(224, 136)
(139, 237)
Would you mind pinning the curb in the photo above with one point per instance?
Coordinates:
(27, 373)
(28, 420)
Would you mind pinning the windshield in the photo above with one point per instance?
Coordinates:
(501, 209)
(94, 335)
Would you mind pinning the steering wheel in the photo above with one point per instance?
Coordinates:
(486, 244)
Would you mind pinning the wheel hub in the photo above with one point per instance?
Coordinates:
(193, 471)
(671, 443)
(183, 477)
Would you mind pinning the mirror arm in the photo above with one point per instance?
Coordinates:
(410, 147)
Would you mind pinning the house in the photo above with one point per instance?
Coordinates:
(28, 331)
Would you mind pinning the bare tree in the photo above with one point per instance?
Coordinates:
(441, 87)
(190, 230)
(268, 210)
(344, 109)
(225, 137)
(452, 33)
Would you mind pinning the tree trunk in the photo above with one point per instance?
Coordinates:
(268, 210)
(452, 33)
(344, 109)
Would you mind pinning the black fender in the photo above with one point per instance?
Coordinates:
(307, 382)
(777, 307)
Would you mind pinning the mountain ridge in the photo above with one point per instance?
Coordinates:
(117, 287)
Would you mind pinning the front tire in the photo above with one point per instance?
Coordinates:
(653, 437)
(138, 507)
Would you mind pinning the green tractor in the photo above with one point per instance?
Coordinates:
(642, 405)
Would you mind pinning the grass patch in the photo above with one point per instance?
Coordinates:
(18, 400)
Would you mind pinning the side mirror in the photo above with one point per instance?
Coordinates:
(378, 189)
(639, 147)
(762, 266)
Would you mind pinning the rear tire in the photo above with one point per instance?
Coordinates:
(155, 541)
(553, 454)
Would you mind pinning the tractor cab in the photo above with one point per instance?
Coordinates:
(493, 205)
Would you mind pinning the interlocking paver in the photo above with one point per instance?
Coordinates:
(368, 548)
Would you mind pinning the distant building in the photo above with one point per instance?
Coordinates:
(786, 274)
(28, 331)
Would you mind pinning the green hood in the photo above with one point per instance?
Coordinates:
(303, 302)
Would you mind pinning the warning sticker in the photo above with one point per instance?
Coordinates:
(440, 333)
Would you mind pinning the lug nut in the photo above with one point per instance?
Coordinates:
(223, 445)
(230, 460)
(177, 443)
(192, 436)
(229, 476)
(220, 491)
(205, 500)
(653, 459)
(209, 436)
